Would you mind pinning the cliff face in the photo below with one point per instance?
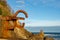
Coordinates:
(4, 11)
(4, 8)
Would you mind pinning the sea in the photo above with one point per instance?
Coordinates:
(51, 31)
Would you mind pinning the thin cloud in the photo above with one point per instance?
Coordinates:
(42, 23)
(22, 2)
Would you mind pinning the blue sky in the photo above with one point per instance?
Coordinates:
(41, 12)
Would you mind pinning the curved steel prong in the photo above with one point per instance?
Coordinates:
(21, 11)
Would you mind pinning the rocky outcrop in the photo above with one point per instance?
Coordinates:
(48, 38)
(22, 33)
(26, 35)
(5, 10)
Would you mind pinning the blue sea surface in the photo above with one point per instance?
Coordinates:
(45, 29)
(55, 35)
(53, 31)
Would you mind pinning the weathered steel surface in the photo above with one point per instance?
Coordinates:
(10, 22)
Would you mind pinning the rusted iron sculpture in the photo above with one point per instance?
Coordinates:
(14, 19)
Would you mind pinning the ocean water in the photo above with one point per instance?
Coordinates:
(56, 36)
(53, 31)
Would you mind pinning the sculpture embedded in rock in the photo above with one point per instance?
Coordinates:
(7, 19)
(13, 20)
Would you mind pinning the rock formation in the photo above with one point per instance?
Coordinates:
(4, 11)
(10, 22)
